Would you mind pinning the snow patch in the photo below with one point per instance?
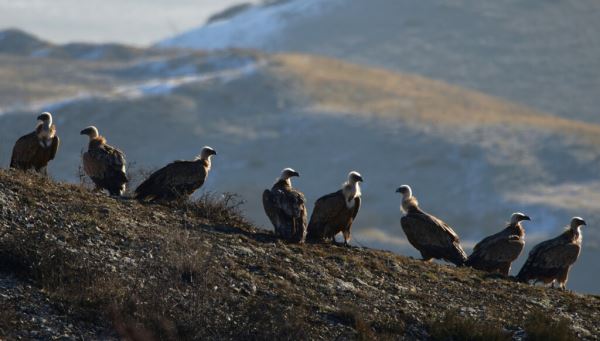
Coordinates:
(255, 27)
(40, 53)
(153, 87)
(94, 54)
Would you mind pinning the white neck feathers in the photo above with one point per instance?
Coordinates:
(207, 160)
(407, 201)
(578, 235)
(351, 191)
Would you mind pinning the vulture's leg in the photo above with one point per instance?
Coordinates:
(426, 257)
(346, 237)
(504, 269)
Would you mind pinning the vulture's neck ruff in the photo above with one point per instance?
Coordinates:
(287, 181)
(408, 202)
(577, 236)
(351, 191)
(206, 160)
(45, 133)
(97, 141)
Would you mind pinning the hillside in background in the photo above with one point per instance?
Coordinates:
(471, 159)
(540, 53)
(78, 264)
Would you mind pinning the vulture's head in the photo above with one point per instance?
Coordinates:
(577, 221)
(90, 131)
(517, 217)
(207, 152)
(288, 173)
(46, 118)
(354, 177)
(405, 190)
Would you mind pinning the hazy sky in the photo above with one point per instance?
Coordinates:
(137, 22)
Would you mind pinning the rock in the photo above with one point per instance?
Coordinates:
(342, 285)
(244, 250)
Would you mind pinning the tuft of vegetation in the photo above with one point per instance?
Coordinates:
(353, 317)
(454, 327)
(541, 327)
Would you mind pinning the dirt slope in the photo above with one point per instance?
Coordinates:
(198, 270)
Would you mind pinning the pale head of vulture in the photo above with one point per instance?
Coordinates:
(286, 174)
(405, 190)
(354, 177)
(407, 198)
(518, 217)
(577, 222)
(205, 155)
(91, 132)
(351, 189)
(207, 152)
(45, 118)
(44, 128)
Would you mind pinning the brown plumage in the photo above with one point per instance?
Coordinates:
(550, 261)
(104, 164)
(285, 207)
(497, 252)
(176, 180)
(335, 212)
(428, 234)
(36, 149)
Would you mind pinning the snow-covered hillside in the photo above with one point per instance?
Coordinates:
(254, 27)
(545, 54)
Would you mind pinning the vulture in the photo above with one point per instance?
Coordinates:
(496, 252)
(550, 261)
(104, 164)
(335, 212)
(36, 149)
(177, 180)
(428, 234)
(284, 205)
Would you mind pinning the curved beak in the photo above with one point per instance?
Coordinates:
(360, 178)
(296, 174)
(398, 190)
(83, 132)
(214, 152)
(583, 223)
(526, 218)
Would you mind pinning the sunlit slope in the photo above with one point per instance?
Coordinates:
(471, 159)
(351, 88)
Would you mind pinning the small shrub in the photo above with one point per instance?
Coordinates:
(540, 327)
(219, 208)
(454, 327)
(351, 316)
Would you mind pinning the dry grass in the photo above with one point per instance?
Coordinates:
(343, 87)
(541, 327)
(453, 327)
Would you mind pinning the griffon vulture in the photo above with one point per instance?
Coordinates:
(284, 205)
(104, 164)
(550, 261)
(36, 149)
(335, 212)
(496, 252)
(428, 234)
(178, 179)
